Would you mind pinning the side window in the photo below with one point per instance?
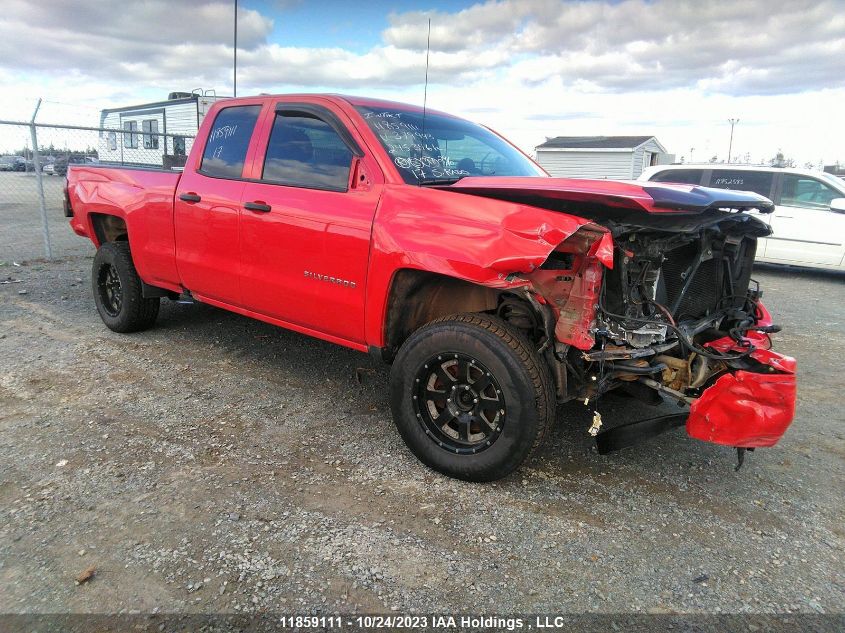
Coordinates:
(305, 151)
(150, 128)
(683, 176)
(228, 141)
(112, 141)
(179, 145)
(743, 180)
(130, 138)
(804, 191)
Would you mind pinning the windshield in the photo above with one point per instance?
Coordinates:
(443, 148)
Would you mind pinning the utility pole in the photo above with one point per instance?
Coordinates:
(731, 144)
(235, 69)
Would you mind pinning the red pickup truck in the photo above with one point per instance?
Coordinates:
(495, 291)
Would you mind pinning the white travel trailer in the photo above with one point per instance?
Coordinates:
(154, 134)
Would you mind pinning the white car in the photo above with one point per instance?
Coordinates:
(808, 224)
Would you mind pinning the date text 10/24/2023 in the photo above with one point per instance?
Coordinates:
(461, 622)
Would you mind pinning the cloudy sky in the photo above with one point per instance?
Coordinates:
(677, 69)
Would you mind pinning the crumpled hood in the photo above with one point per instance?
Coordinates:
(610, 194)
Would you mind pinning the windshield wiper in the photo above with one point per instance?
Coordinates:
(439, 181)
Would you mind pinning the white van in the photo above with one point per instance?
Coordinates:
(808, 224)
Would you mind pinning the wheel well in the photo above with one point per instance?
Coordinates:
(418, 297)
(109, 228)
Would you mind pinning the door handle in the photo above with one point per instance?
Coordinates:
(189, 197)
(257, 206)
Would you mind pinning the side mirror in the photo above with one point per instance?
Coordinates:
(837, 205)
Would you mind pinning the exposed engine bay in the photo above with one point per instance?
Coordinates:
(670, 293)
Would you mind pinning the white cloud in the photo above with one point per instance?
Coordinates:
(749, 47)
(530, 67)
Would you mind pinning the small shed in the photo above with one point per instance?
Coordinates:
(611, 157)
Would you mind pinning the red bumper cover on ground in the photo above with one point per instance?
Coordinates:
(747, 409)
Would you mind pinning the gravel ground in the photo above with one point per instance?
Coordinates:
(218, 464)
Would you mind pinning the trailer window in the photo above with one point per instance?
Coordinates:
(228, 140)
(150, 128)
(130, 137)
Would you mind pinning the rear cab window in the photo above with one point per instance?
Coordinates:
(228, 141)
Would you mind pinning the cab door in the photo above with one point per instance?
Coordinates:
(208, 204)
(307, 215)
(806, 231)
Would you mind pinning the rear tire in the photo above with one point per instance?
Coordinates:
(470, 396)
(118, 290)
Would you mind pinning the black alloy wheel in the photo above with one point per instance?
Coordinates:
(459, 403)
(118, 290)
(111, 292)
(471, 396)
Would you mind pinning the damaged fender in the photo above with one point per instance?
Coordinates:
(490, 242)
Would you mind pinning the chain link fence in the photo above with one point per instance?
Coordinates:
(33, 170)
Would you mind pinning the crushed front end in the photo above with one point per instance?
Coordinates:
(652, 294)
(676, 316)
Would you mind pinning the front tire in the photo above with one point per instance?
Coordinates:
(470, 397)
(118, 290)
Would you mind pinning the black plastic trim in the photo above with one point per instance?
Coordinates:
(257, 206)
(381, 354)
(633, 433)
(324, 114)
(151, 292)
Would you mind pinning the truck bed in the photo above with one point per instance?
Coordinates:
(123, 192)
